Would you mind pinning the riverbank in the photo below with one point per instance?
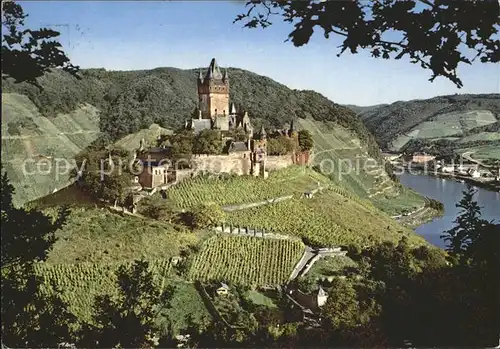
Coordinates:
(449, 191)
(422, 215)
(485, 183)
(478, 182)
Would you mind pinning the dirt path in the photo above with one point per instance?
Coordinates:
(49, 137)
(30, 149)
(467, 156)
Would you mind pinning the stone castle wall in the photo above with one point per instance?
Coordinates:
(238, 163)
(277, 162)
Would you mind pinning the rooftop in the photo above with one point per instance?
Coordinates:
(238, 146)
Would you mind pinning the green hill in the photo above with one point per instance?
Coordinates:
(442, 125)
(129, 102)
(30, 140)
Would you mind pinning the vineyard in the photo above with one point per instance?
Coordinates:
(81, 283)
(229, 190)
(246, 260)
(350, 195)
(100, 236)
(328, 219)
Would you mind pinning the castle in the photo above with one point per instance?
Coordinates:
(215, 112)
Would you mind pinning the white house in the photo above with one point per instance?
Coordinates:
(474, 173)
(447, 169)
(322, 297)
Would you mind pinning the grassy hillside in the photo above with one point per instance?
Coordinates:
(233, 190)
(94, 242)
(29, 140)
(99, 236)
(328, 219)
(438, 125)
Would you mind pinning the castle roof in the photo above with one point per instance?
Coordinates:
(321, 292)
(232, 109)
(221, 122)
(154, 156)
(238, 146)
(213, 71)
(262, 132)
(199, 125)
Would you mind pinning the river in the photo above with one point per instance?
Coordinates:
(449, 192)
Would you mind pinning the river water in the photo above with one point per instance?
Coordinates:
(449, 192)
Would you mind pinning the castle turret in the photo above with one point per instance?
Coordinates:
(262, 133)
(232, 109)
(213, 92)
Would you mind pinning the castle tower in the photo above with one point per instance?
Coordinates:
(262, 133)
(213, 92)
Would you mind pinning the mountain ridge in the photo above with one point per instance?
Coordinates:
(439, 125)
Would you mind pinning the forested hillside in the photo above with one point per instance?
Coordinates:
(132, 100)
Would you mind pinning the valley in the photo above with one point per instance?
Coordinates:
(294, 223)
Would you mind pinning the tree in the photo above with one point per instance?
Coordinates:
(128, 320)
(431, 33)
(182, 147)
(468, 224)
(28, 54)
(238, 134)
(305, 140)
(206, 215)
(159, 212)
(29, 316)
(208, 142)
(341, 312)
(280, 145)
(27, 236)
(105, 174)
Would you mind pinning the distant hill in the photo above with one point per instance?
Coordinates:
(359, 109)
(443, 124)
(129, 102)
(27, 136)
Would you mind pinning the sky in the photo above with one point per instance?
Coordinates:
(132, 35)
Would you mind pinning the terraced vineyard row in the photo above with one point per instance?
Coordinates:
(327, 219)
(246, 260)
(350, 195)
(228, 190)
(81, 283)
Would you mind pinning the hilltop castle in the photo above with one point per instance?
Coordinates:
(214, 110)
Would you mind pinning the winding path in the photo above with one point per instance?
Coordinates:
(467, 156)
